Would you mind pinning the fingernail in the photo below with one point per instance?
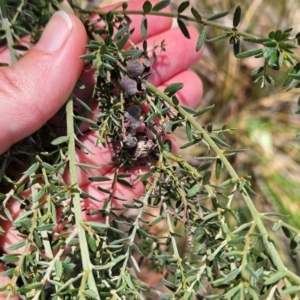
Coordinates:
(55, 33)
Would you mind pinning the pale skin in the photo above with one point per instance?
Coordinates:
(33, 89)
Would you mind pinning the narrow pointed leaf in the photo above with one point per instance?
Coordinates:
(161, 5)
(99, 178)
(274, 278)
(218, 15)
(183, 6)
(60, 140)
(237, 16)
(147, 7)
(144, 27)
(196, 15)
(183, 28)
(219, 141)
(204, 110)
(219, 165)
(32, 169)
(201, 39)
(218, 38)
(188, 109)
(249, 53)
(173, 88)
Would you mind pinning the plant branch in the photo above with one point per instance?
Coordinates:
(274, 255)
(85, 257)
(229, 29)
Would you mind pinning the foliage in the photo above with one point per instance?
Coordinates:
(228, 258)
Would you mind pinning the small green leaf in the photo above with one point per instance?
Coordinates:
(257, 71)
(298, 38)
(145, 176)
(92, 243)
(219, 165)
(249, 53)
(125, 182)
(290, 290)
(20, 47)
(193, 191)
(274, 61)
(124, 175)
(270, 80)
(161, 5)
(109, 58)
(32, 169)
(188, 130)
(188, 109)
(249, 189)
(39, 195)
(196, 15)
(183, 28)
(101, 190)
(278, 35)
(243, 227)
(270, 44)
(218, 38)
(227, 279)
(256, 40)
(218, 15)
(206, 177)
(204, 110)
(58, 267)
(210, 216)
(237, 16)
(236, 48)
(157, 220)
(16, 246)
(173, 88)
(135, 263)
(219, 141)
(147, 7)
(99, 178)
(295, 76)
(183, 6)
(201, 39)
(204, 166)
(190, 143)
(274, 278)
(60, 140)
(88, 57)
(144, 27)
(276, 226)
(124, 5)
(287, 232)
(122, 42)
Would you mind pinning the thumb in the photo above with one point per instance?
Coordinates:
(34, 88)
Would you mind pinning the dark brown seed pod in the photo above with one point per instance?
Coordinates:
(129, 85)
(138, 68)
(133, 117)
(134, 111)
(130, 141)
(144, 148)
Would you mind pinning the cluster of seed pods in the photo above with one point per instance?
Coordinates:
(135, 143)
(134, 81)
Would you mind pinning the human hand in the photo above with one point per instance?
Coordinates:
(27, 104)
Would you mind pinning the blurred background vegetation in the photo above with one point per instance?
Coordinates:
(264, 119)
